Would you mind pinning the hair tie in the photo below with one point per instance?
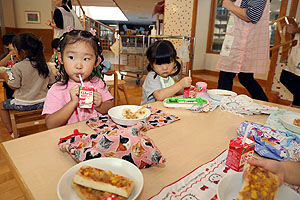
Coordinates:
(93, 32)
(69, 29)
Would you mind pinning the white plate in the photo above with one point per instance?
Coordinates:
(218, 94)
(124, 168)
(230, 186)
(116, 115)
(288, 122)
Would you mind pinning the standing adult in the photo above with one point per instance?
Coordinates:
(290, 75)
(62, 17)
(245, 49)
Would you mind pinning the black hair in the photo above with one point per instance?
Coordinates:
(162, 52)
(7, 38)
(68, 2)
(81, 36)
(33, 49)
(55, 43)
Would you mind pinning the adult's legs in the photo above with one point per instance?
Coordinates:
(225, 81)
(5, 117)
(255, 90)
(292, 83)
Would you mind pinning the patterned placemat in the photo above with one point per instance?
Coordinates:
(201, 183)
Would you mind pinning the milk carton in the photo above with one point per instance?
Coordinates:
(10, 63)
(238, 152)
(189, 92)
(86, 97)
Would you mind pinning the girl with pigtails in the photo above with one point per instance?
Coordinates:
(80, 57)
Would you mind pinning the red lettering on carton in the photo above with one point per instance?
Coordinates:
(86, 97)
(239, 153)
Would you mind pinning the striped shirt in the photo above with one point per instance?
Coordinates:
(254, 9)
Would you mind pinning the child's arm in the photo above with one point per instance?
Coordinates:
(4, 76)
(60, 117)
(100, 106)
(4, 61)
(178, 87)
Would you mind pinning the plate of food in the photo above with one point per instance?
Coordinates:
(104, 178)
(233, 186)
(218, 94)
(128, 114)
(291, 121)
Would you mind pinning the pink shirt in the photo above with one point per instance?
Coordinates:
(58, 96)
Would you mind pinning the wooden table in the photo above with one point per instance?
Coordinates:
(197, 138)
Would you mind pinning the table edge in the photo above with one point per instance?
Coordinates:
(25, 189)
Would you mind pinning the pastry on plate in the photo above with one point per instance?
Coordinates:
(259, 184)
(97, 179)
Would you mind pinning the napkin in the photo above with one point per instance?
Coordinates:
(271, 143)
(242, 104)
(201, 183)
(158, 118)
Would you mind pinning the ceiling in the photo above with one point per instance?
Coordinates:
(137, 11)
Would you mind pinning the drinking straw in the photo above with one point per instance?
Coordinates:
(11, 57)
(81, 80)
(190, 73)
(246, 134)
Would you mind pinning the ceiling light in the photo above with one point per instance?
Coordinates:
(104, 13)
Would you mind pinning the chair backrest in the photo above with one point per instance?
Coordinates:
(114, 83)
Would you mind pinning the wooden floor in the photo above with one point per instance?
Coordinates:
(9, 189)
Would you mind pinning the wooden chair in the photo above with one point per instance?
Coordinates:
(118, 86)
(114, 83)
(24, 119)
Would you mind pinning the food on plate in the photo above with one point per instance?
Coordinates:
(97, 179)
(225, 95)
(127, 113)
(259, 184)
(139, 114)
(297, 122)
(86, 193)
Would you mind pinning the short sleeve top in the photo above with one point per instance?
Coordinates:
(58, 96)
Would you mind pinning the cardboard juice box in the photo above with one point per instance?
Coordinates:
(238, 152)
(86, 97)
(189, 92)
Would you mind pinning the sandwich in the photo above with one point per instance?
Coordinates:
(92, 183)
(259, 184)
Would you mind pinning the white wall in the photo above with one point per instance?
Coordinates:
(17, 18)
(203, 60)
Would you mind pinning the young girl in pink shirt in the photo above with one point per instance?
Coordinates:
(80, 55)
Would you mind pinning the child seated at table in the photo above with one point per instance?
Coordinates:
(54, 46)
(159, 83)
(7, 44)
(29, 77)
(80, 55)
